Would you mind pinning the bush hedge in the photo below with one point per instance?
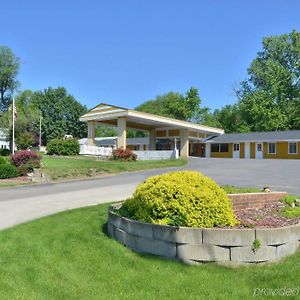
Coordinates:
(123, 154)
(3, 161)
(4, 152)
(26, 161)
(8, 171)
(63, 147)
(183, 198)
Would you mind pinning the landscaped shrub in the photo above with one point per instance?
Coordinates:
(63, 147)
(8, 171)
(3, 160)
(26, 161)
(4, 152)
(183, 198)
(123, 154)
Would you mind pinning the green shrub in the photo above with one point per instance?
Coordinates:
(4, 152)
(290, 212)
(8, 171)
(3, 161)
(184, 198)
(63, 147)
(289, 200)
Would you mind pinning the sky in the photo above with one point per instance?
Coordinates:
(127, 52)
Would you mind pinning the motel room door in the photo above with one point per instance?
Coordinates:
(236, 150)
(259, 150)
(247, 150)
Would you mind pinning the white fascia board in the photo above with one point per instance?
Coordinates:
(102, 117)
(253, 141)
(192, 138)
(176, 123)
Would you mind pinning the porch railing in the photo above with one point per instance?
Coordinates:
(94, 150)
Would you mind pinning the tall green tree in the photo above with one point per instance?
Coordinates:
(270, 98)
(175, 105)
(60, 112)
(9, 68)
(27, 121)
(230, 119)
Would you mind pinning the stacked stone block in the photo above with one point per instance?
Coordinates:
(204, 245)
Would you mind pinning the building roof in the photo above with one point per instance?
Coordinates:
(109, 114)
(265, 136)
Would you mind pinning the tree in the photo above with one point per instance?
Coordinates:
(230, 119)
(9, 68)
(60, 112)
(105, 131)
(175, 105)
(27, 121)
(270, 98)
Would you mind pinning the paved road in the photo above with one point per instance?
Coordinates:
(18, 205)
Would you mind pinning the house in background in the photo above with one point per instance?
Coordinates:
(256, 145)
(4, 144)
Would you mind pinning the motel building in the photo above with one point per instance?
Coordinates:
(167, 137)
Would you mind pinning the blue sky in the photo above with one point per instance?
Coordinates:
(127, 52)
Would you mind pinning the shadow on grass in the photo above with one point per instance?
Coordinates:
(104, 229)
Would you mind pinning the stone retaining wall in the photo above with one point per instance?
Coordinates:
(204, 245)
(255, 200)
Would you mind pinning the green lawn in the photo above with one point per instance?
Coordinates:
(239, 190)
(69, 256)
(68, 167)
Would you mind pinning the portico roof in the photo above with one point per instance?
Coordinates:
(109, 114)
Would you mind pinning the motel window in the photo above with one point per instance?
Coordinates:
(219, 147)
(224, 148)
(272, 148)
(293, 148)
(215, 147)
(236, 147)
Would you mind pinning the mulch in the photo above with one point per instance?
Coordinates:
(266, 217)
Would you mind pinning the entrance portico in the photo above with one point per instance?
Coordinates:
(156, 127)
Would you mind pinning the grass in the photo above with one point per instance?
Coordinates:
(291, 212)
(76, 167)
(229, 189)
(69, 256)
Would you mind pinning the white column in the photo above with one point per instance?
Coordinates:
(91, 133)
(207, 149)
(122, 133)
(152, 140)
(184, 143)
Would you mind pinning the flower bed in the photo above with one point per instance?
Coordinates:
(232, 246)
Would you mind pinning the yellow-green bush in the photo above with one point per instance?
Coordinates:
(183, 198)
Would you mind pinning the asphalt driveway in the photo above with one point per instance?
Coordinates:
(21, 204)
(278, 174)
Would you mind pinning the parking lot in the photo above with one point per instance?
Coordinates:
(278, 174)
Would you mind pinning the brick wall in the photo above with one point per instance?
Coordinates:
(254, 200)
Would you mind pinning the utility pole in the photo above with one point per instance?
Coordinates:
(13, 126)
(40, 138)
